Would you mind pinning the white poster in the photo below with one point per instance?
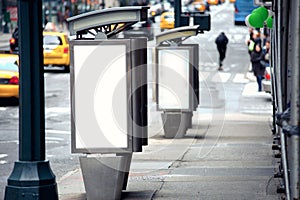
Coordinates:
(100, 96)
(173, 79)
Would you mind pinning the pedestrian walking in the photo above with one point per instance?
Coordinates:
(221, 42)
(257, 58)
(250, 41)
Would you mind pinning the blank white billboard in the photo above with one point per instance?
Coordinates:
(173, 79)
(100, 96)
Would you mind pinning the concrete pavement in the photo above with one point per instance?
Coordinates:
(225, 155)
(216, 160)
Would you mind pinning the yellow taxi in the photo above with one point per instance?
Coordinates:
(56, 49)
(9, 76)
(167, 20)
(231, 1)
(215, 2)
(199, 6)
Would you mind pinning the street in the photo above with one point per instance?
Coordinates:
(224, 95)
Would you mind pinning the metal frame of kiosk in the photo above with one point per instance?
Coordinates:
(177, 79)
(92, 78)
(108, 97)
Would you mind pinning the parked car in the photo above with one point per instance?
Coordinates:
(13, 41)
(167, 21)
(140, 29)
(198, 6)
(55, 45)
(215, 2)
(9, 76)
(56, 50)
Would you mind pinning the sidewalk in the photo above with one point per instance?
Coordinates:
(224, 156)
(206, 164)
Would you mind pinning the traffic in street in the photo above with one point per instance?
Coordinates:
(227, 95)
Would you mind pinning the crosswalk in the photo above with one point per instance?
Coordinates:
(2, 159)
(223, 77)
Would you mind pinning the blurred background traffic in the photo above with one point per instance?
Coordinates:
(56, 11)
(161, 16)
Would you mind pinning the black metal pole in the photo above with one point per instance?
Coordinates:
(4, 12)
(32, 177)
(177, 13)
(103, 4)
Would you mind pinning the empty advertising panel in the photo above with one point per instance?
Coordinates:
(174, 78)
(100, 96)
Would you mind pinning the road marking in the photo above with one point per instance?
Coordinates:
(3, 155)
(234, 66)
(203, 76)
(54, 138)
(52, 142)
(10, 141)
(2, 162)
(3, 108)
(208, 65)
(58, 109)
(240, 78)
(58, 132)
(221, 77)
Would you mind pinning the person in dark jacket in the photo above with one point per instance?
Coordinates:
(258, 69)
(221, 42)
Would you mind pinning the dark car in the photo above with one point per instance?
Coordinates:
(13, 41)
(140, 29)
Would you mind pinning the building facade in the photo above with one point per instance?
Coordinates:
(55, 11)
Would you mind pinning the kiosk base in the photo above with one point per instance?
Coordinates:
(105, 177)
(175, 124)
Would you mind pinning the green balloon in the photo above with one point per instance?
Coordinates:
(269, 22)
(262, 12)
(256, 21)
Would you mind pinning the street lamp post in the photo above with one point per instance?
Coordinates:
(177, 13)
(32, 177)
(1, 14)
(5, 17)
